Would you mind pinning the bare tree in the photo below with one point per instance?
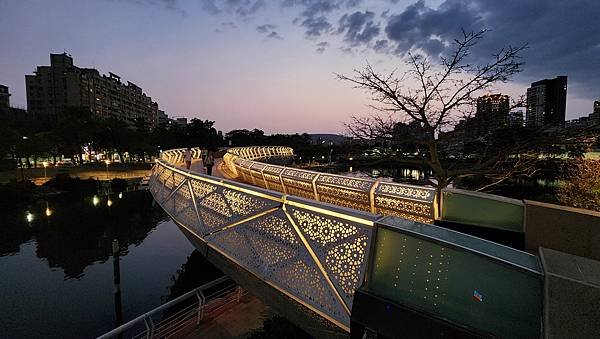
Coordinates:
(437, 96)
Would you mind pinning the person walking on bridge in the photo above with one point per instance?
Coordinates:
(188, 158)
(209, 161)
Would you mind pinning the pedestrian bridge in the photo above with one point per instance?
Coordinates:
(317, 238)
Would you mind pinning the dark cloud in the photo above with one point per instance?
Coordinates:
(225, 26)
(315, 27)
(322, 46)
(563, 36)
(242, 8)
(266, 28)
(171, 5)
(381, 46)
(274, 35)
(314, 13)
(229, 24)
(420, 27)
(358, 27)
(269, 31)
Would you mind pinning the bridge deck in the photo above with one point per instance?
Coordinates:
(219, 170)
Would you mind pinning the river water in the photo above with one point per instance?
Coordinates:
(56, 264)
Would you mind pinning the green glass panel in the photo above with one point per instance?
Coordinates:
(482, 210)
(456, 285)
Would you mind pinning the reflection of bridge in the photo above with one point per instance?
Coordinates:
(316, 239)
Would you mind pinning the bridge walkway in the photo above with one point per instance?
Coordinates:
(219, 169)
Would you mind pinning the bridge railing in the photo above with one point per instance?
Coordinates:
(281, 239)
(462, 279)
(406, 201)
(319, 254)
(157, 323)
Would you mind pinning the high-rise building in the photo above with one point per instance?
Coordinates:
(597, 106)
(547, 102)
(515, 119)
(4, 97)
(492, 111)
(54, 88)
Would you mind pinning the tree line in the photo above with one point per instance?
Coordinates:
(77, 131)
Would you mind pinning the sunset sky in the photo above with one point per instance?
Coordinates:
(272, 64)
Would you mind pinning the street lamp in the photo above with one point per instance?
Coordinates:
(45, 163)
(107, 162)
(21, 162)
(29, 217)
(48, 210)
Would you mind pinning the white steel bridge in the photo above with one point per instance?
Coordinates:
(310, 235)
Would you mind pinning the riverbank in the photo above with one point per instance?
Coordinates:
(113, 171)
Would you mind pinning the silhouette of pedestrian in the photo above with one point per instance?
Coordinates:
(188, 158)
(209, 161)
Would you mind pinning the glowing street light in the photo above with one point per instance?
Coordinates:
(95, 200)
(29, 217)
(109, 202)
(45, 163)
(120, 195)
(107, 162)
(48, 210)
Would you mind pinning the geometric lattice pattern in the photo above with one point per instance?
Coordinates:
(405, 201)
(343, 246)
(315, 258)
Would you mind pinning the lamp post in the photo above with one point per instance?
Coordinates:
(45, 163)
(107, 162)
(21, 162)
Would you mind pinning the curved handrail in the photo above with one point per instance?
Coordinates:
(370, 195)
(406, 201)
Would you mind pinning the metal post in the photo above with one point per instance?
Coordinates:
(201, 301)
(151, 333)
(117, 284)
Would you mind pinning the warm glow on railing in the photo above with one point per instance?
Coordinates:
(406, 201)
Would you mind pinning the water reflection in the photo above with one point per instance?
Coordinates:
(72, 233)
(59, 274)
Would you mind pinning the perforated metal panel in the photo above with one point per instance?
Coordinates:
(312, 252)
(405, 201)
